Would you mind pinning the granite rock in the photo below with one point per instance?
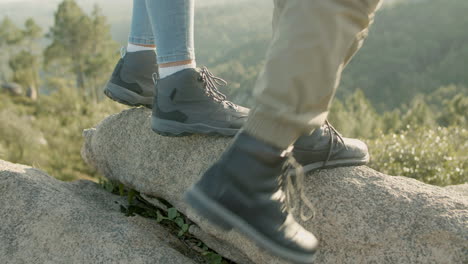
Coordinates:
(44, 220)
(361, 215)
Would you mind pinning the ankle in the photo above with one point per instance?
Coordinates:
(140, 47)
(268, 150)
(176, 63)
(265, 126)
(167, 69)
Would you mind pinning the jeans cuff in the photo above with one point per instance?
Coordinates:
(270, 129)
(141, 40)
(176, 57)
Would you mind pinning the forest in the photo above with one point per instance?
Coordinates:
(405, 93)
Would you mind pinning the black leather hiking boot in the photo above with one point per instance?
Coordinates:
(243, 190)
(189, 102)
(326, 148)
(132, 82)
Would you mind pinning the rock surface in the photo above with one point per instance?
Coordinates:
(44, 220)
(361, 216)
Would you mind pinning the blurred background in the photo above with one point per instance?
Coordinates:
(405, 93)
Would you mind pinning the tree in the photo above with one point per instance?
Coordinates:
(419, 114)
(69, 36)
(22, 59)
(10, 34)
(101, 58)
(24, 66)
(31, 33)
(28, 59)
(455, 112)
(356, 117)
(83, 44)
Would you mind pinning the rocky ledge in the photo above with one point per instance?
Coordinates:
(44, 220)
(361, 215)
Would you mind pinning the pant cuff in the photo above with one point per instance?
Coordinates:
(271, 130)
(141, 41)
(176, 57)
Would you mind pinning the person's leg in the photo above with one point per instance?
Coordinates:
(141, 30)
(173, 24)
(315, 42)
(242, 190)
(131, 82)
(325, 147)
(188, 99)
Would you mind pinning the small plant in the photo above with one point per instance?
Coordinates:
(109, 186)
(174, 216)
(173, 220)
(212, 257)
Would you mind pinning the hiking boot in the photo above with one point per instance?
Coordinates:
(132, 82)
(326, 148)
(189, 102)
(242, 190)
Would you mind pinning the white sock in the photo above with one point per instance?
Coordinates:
(166, 71)
(134, 48)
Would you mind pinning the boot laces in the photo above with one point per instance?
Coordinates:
(332, 132)
(293, 186)
(211, 83)
(293, 181)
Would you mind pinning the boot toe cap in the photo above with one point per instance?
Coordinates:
(355, 149)
(306, 241)
(239, 118)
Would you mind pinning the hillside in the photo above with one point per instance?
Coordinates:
(410, 52)
(397, 94)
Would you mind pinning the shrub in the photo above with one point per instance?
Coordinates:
(47, 133)
(435, 156)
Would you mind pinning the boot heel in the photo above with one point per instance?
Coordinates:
(126, 97)
(192, 197)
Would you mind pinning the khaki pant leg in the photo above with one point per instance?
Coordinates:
(358, 42)
(312, 42)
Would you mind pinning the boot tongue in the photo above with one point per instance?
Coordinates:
(190, 86)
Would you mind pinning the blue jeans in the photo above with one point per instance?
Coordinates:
(168, 24)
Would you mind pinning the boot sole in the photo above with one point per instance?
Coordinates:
(124, 96)
(226, 220)
(336, 163)
(177, 129)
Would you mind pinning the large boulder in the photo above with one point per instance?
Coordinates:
(44, 220)
(361, 215)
